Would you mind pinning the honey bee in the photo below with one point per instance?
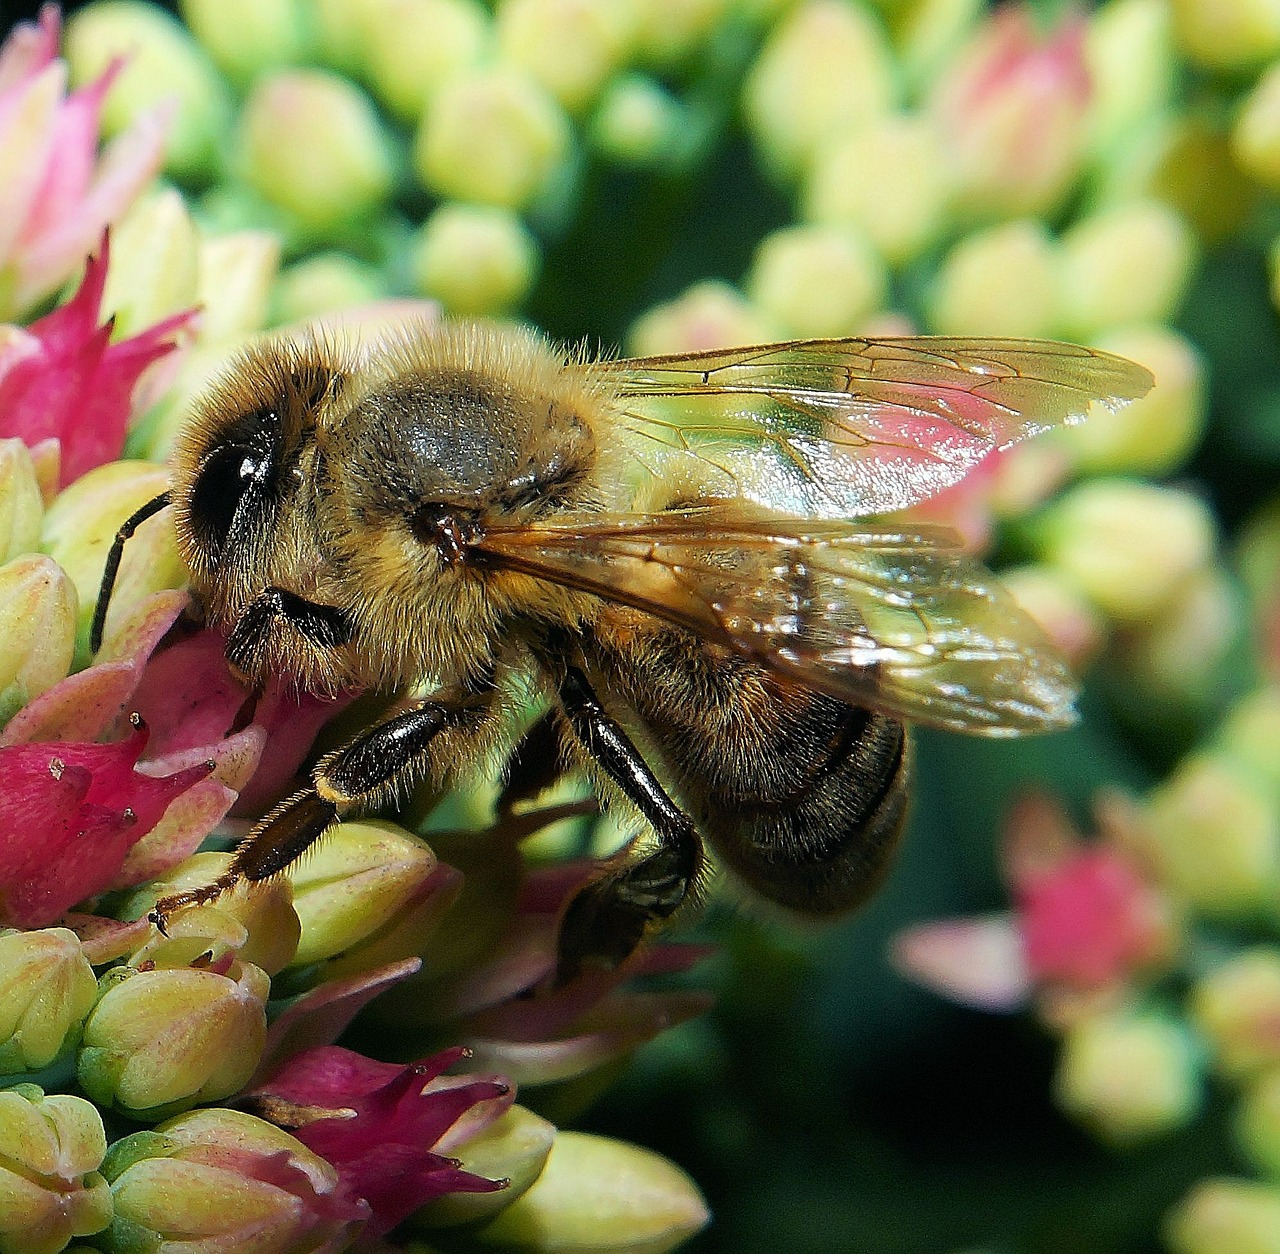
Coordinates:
(671, 553)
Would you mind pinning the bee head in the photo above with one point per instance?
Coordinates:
(242, 466)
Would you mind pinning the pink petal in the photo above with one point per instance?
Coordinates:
(977, 962)
(30, 47)
(321, 1015)
(28, 116)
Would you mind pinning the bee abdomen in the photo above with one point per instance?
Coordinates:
(824, 849)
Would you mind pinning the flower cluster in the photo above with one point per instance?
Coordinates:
(673, 176)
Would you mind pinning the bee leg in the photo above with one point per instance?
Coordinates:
(325, 626)
(356, 776)
(608, 919)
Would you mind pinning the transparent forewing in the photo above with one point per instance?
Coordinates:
(846, 428)
(900, 621)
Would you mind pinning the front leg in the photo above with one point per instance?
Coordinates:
(325, 628)
(362, 774)
(609, 918)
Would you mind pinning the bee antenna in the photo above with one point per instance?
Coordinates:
(111, 569)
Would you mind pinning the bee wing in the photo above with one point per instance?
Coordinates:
(896, 620)
(845, 428)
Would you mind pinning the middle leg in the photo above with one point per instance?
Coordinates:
(609, 918)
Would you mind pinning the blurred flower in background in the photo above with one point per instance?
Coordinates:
(662, 175)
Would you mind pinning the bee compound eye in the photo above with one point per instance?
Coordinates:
(226, 476)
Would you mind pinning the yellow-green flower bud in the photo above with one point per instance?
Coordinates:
(817, 280)
(311, 144)
(256, 922)
(668, 31)
(1001, 281)
(47, 987)
(492, 135)
(571, 47)
(1255, 138)
(409, 47)
(236, 273)
(162, 62)
(164, 1039)
(926, 34)
(1215, 837)
(320, 284)
(1185, 160)
(1224, 1216)
(1128, 1076)
(50, 1187)
(80, 526)
(246, 37)
(1235, 1008)
(514, 1147)
(340, 31)
(599, 1194)
(475, 259)
(354, 885)
(825, 69)
(154, 263)
(1156, 433)
(639, 122)
(1228, 34)
(38, 613)
(707, 315)
(1251, 731)
(215, 1180)
(1258, 1122)
(21, 504)
(1178, 657)
(1127, 545)
(1064, 615)
(1128, 264)
(887, 179)
(1128, 48)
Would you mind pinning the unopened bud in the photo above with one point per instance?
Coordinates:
(825, 69)
(1251, 731)
(246, 37)
(236, 273)
(514, 1147)
(1001, 281)
(80, 526)
(1127, 545)
(38, 616)
(1064, 615)
(161, 62)
(218, 1180)
(164, 1039)
(1129, 1077)
(21, 504)
(1157, 432)
(888, 179)
(1228, 34)
(1129, 264)
(312, 144)
(1215, 837)
(1236, 1008)
(50, 1186)
(492, 135)
(476, 260)
(603, 1195)
(571, 47)
(354, 884)
(1224, 1216)
(47, 987)
(639, 122)
(707, 315)
(1128, 48)
(670, 31)
(154, 263)
(321, 283)
(816, 281)
(1258, 1122)
(926, 34)
(408, 48)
